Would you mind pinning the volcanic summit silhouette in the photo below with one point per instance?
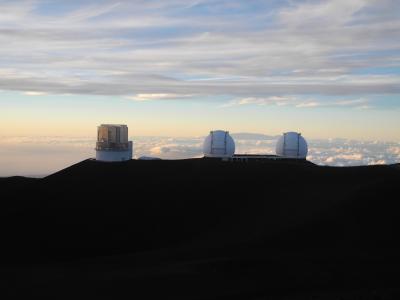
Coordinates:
(202, 229)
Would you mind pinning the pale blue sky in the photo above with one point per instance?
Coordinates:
(182, 67)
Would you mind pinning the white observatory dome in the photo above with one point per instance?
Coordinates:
(292, 145)
(219, 144)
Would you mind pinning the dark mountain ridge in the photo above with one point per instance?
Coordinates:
(258, 228)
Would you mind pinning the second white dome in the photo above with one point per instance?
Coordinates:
(219, 143)
(292, 145)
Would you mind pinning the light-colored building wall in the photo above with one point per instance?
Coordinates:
(124, 134)
(102, 134)
(112, 133)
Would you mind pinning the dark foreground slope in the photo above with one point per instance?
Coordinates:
(202, 229)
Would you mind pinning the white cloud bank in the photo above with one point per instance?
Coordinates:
(44, 155)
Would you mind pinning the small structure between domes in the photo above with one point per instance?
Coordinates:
(219, 144)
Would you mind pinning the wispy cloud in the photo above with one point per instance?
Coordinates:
(273, 100)
(159, 96)
(359, 103)
(309, 104)
(352, 102)
(34, 93)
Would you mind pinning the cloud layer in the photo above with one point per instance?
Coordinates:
(44, 155)
(150, 50)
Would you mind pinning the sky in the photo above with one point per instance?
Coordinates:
(177, 69)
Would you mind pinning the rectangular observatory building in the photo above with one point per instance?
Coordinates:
(112, 133)
(112, 143)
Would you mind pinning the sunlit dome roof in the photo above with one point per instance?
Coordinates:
(292, 145)
(219, 143)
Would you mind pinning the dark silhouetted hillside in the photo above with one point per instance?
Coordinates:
(202, 229)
